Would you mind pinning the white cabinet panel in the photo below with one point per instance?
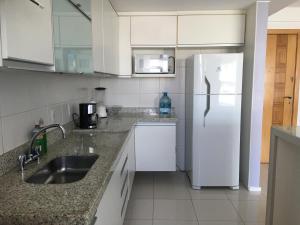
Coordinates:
(125, 59)
(112, 208)
(97, 34)
(153, 30)
(105, 37)
(155, 147)
(70, 35)
(210, 30)
(131, 160)
(26, 31)
(110, 38)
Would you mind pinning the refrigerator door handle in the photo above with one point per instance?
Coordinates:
(207, 99)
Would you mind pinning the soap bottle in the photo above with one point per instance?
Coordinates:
(165, 104)
(41, 141)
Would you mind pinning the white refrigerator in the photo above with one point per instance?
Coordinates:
(213, 117)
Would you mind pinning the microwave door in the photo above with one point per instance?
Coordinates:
(146, 64)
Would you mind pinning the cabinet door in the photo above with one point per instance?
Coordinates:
(153, 30)
(26, 31)
(110, 38)
(97, 35)
(109, 208)
(211, 30)
(70, 36)
(131, 160)
(155, 147)
(125, 59)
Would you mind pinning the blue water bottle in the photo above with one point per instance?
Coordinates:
(165, 104)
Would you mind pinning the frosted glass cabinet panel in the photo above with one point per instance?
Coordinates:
(73, 36)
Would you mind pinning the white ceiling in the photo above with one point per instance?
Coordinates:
(192, 5)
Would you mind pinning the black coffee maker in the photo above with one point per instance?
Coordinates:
(87, 118)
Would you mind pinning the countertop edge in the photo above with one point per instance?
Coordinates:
(286, 134)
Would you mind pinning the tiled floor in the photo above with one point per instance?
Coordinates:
(167, 199)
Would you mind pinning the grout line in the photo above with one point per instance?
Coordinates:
(194, 208)
(236, 210)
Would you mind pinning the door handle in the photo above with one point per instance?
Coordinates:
(288, 97)
(207, 99)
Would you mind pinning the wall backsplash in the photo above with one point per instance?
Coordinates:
(27, 96)
(146, 92)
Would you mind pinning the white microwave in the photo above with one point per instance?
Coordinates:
(151, 64)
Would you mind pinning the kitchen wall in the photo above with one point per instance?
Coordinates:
(146, 92)
(287, 18)
(26, 96)
(253, 93)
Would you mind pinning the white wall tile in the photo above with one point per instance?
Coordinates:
(149, 86)
(16, 130)
(173, 85)
(41, 113)
(14, 95)
(178, 102)
(1, 144)
(149, 100)
(180, 158)
(125, 100)
(121, 86)
(55, 114)
(180, 133)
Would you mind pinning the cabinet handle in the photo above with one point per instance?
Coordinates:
(124, 183)
(124, 202)
(123, 167)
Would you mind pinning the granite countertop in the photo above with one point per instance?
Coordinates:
(289, 134)
(74, 203)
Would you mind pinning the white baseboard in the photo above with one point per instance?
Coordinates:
(254, 189)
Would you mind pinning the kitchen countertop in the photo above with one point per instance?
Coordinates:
(290, 134)
(74, 203)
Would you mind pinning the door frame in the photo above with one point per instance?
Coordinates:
(297, 69)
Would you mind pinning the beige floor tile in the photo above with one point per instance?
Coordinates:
(244, 195)
(174, 210)
(215, 210)
(208, 193)
(171, 177)
(137, 222)
(143, 187)
(171, 186)
(174, 222)
(140, 209)
(251, 211)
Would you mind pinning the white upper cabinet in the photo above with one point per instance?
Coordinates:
(97, 34)
(26, 31)
(211, 30)
(125, 59)
(153, 30)
(105, 37)
(110, 38)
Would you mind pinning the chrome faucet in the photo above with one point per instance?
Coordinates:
(34, 154)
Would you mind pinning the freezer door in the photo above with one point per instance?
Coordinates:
(216, 140)
(223, 71)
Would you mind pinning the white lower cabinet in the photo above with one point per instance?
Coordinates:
(155, 147)
(112, 208)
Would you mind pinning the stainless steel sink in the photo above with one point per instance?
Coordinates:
(63, 170)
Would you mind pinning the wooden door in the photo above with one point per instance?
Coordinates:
(279, 86)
